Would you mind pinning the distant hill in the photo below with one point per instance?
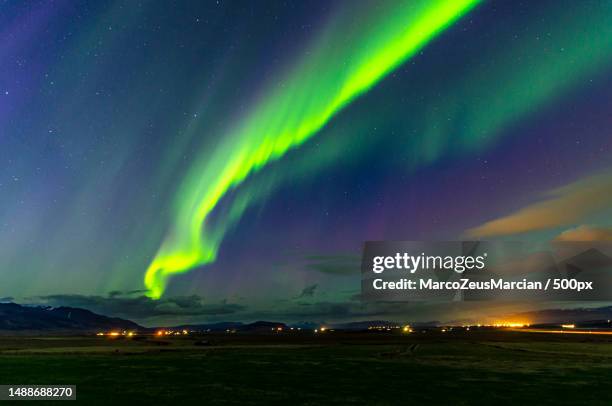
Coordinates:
(576, 315)
(220, 326)
(258, 326)
(262, 326)
(307, 325)
(17, 318)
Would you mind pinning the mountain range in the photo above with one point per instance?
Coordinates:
(22, 319)
(18, 318)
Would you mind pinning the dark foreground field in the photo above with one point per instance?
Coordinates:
(332, 368)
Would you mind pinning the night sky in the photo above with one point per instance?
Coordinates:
(195, 161)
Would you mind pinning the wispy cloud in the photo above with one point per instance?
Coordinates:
(334, 264)
(586, 233)
(308, 291)
(564, 206)
(141, 307)
(193, 310)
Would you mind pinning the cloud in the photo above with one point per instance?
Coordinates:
(141, 307)
(192, 310)
(563, 206)
(332, 312)
(119, 293)
(586, 233)
(334, 264)
(308, 291)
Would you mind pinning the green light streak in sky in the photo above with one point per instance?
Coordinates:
(348, 59)
(513, 78)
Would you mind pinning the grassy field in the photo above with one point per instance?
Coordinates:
(335, 368)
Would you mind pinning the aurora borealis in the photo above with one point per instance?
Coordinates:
(259, 144)
(294, 112)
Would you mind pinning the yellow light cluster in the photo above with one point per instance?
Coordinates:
(322, 329)
(511, 324)
(117, 334)
(160, 333)
(383, 328)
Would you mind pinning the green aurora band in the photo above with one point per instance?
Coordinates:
(347, 60)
